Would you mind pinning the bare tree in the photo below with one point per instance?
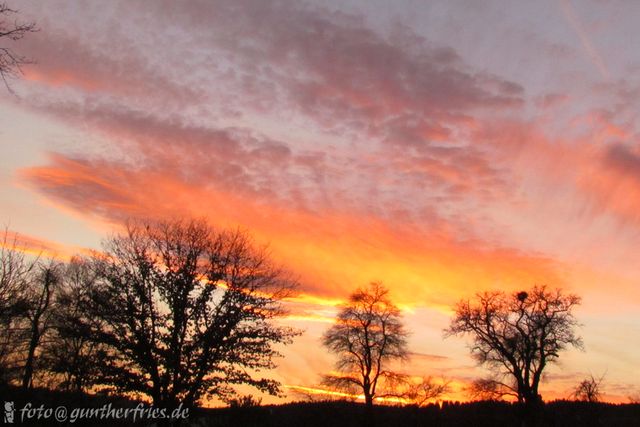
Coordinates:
(70, 354)
(184, 312)
(517, 335)
(15, 276)
(589, 389)
(38, 314)
(366, 337)
(634, 399)
(11, 30)
(424, 391)
(15, 270)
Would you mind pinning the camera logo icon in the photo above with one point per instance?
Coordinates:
(9, 412)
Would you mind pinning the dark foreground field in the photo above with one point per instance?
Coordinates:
(342, 414)
(477, 414)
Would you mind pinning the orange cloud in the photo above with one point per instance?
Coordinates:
(36, 246)
(332, 253)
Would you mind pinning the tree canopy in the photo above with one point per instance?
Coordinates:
(181, 311)
(367, 335)
(517, 335)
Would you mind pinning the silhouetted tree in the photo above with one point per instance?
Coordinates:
(517, 335)
(184, 312)
(11, 30)
(589, 389)
(634, 399)
(425, 391)
(15, 275)
(38, 313)
(367, 336)
(70, 354)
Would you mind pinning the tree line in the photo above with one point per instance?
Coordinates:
(179, 312)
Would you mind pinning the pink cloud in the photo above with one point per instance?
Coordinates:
(64, 60)
(330, 66)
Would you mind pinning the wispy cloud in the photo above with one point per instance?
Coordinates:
(575, 23)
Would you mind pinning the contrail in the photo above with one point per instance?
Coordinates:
(574, 21)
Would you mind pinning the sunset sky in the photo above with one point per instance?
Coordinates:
(440, 147)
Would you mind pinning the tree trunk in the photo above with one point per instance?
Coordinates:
(33, 344)
(368, 399)
(28, 367)
(532, 409)
(40, 309)
(368, 420)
